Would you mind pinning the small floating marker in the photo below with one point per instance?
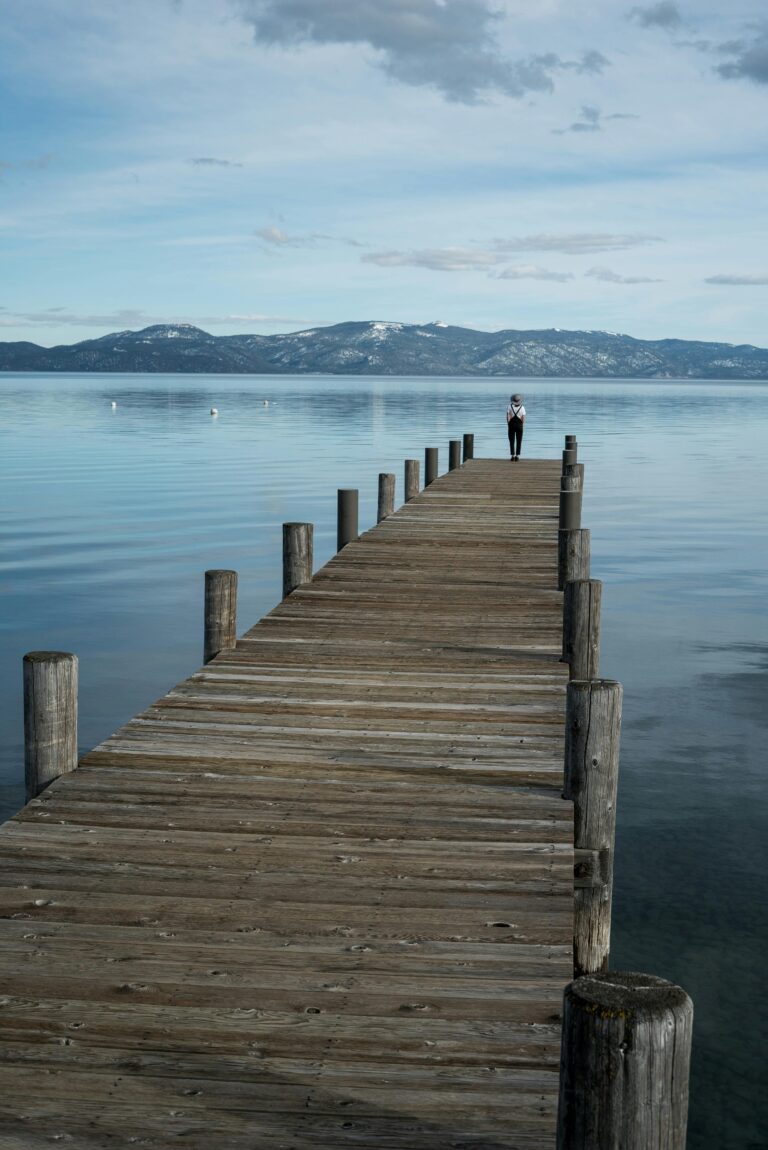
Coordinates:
(114, 403)
(266, 403)
(214, 411)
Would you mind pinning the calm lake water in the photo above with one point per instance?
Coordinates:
(111, 516)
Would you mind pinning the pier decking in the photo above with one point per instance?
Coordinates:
(320, 895)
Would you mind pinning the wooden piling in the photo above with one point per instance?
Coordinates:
(297, 555)
(625, 1064)
(411, 479)
(576, 469)
(454, 454)
(570, 508)
(220, 623)
(468, 446)
(346, 516)
(592, 734)
(570, 480)
(573, 556)
(570, 441)
(581, 628)
(570, 455)
(430, 465)
(50, 717)
(386, 505)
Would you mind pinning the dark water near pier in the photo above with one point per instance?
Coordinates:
(109, 518)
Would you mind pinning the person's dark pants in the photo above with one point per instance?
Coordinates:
(515, 431)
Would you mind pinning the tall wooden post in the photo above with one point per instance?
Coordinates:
(346, 516)
(220, 623)
(581, 628)
(572, 556)
(625, 1064)
(570, 507)
(468, 445)
(430, 465)
(592, 735)
(411, 479)
(297, 555)
(50, 717)
(454, 454)
(577, 470)
(570, 441)
(570, 455)
(386, 504)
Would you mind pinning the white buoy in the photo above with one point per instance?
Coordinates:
(114, 404)
(214, 411)
(266, 403)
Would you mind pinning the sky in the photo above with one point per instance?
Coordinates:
(269, 165)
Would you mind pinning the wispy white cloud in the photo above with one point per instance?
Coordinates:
(576, 243)
(748, 280)
(607, 276)
(436, 259)
(130, 318)
(213, 162)
(278, 238)
(591, 119)
(534, 272)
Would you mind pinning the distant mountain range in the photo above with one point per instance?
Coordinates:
(376, 348)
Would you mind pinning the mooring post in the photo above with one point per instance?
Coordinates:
(572, 556)
(570, 506)
(592, 735)
(220, 622)
(430, 465)
(581, 628)
(468, 446)
(625, 1063)
(297, 555)
(386, 504)
(454, 454)
(50, 717)
(574, 471)
(570, 480)
(570, 455)
(347, 517)
(411, 479)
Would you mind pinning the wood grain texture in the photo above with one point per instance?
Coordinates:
(321, 893)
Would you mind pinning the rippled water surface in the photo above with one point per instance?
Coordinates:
(110, 516)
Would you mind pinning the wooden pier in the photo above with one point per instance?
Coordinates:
(321, 894)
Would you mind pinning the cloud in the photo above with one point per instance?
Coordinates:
(213, 162)
(533, 272)
(278, 238)
(445, 44)
(591, 119)
(662, 15)
(576, 243)
(436, 259)
(605, 275)
(738, 280)
(749, 58)
(128, 318)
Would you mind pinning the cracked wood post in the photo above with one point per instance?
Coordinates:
(576, 469)
(50, 717)
(592, 734)
(220, 623)
(297, 555)
(581, 628)
(411, 479)
(430, 465)
(624, 1064)
(573, 556)
(454, 454)
(346, 516)
(468, 446)
(386, 504)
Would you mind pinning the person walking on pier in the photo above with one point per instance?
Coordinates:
(515, 421)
